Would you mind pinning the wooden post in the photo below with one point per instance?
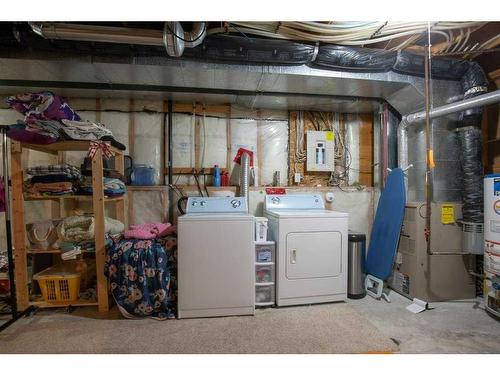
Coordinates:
(19, 229)
(131, 128)
(100, 249)
(120, 204)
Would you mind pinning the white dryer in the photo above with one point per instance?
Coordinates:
(215, 258)
(311, 248)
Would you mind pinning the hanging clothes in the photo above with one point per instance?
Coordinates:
(143, 277)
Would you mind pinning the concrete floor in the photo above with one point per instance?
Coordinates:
(450, 327)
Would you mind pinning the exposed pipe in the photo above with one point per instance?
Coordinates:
(95, 33)
(429, 149)
(173, 37)
(170, 163)
(477, 101)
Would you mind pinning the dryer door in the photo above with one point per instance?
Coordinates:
(312, 255)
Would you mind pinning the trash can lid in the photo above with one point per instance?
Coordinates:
(356, 237)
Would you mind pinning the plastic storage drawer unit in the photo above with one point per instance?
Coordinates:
(264, 273)
(264, 252)
(264, 294)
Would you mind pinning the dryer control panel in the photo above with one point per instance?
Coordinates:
(222, 205)
(294, 202)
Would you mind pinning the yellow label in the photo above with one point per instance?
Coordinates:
(329, 136)
(447, 214)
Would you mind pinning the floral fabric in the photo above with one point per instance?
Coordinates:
(143, 277)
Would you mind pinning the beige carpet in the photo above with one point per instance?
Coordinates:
(327, 328)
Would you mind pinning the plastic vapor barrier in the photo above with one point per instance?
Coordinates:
(118, 123)
(243, 135)
(147, 207)
(147, 141)
(352, 124)
(273, 137)
(213, 141)
(183, 145)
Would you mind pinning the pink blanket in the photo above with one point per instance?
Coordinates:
(148, 231)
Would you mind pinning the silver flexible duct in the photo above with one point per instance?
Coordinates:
(244, 175)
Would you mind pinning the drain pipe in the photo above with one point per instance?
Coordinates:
(172, 37)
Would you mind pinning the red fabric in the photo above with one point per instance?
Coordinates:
(275, 191)
(237, 158)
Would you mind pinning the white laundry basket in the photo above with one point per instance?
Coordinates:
(261, 229)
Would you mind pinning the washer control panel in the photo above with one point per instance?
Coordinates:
(196, 205)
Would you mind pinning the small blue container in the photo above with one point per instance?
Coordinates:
(216, 175)
(142, 175)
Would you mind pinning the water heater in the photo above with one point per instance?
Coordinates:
(492, 243)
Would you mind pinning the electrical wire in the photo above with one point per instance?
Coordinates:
(349, 33)
(187, 40)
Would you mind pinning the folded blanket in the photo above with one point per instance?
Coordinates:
(41, 106)
(148, 231)
(66, 169)
(48, 178)
(53, 187)
(84, 130)
(81, 228)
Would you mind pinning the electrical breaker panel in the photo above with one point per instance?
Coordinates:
(320, 151)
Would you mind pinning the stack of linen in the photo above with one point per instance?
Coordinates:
(48, 119)
(113, 187)
(52, 180)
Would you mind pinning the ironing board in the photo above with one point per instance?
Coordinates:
(385, 234)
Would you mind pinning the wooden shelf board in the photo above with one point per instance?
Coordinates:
(44, 305)
(53, 251)
(75, 197)
(54, 148)
(147, 188)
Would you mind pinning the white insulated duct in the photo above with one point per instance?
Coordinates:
(173, 37)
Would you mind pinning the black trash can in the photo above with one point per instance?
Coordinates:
(356, 265)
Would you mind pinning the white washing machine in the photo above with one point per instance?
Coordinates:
(311, 248)
(216, 258)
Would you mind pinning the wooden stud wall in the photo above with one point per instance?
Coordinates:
(321, 178)
(366, 150)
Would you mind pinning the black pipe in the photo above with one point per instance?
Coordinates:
(170, 163)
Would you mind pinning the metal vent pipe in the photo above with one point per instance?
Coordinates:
(173, 37)
(478, 101)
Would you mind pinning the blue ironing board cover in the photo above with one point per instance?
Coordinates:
(387, 227)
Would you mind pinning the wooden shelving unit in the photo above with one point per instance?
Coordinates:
(98, 200)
